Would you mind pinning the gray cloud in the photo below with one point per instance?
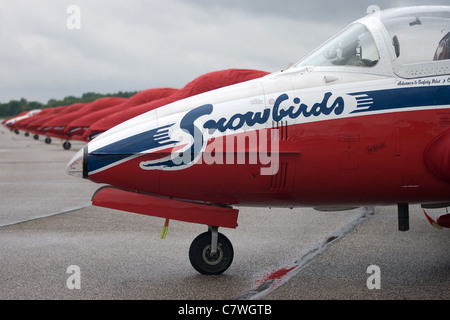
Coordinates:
(139, 44)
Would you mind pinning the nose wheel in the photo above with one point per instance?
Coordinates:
(211, 252)
(67, 145)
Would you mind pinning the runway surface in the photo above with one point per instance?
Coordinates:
(47, 225)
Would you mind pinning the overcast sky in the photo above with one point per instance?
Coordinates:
(139, 44)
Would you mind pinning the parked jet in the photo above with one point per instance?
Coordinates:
(206, 82)
(11, 122)
(362, 120)
(79, 126)
(55, 127)
(47, 126)
(32, 125)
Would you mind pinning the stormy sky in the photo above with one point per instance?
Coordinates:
(139, 44)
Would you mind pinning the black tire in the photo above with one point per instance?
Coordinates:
(203, 262)
(67, 145)
(36, 137)
(48, 140)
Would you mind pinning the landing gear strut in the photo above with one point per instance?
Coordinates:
(403, 216)
(211, 252)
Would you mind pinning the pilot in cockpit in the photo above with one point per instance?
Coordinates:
(443, 49)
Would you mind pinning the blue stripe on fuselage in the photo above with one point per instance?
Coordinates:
(130, 146)
(405, 98)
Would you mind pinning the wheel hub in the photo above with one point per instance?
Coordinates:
(212, 258)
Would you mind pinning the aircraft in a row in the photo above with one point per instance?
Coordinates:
(84, 121)
(362, 120)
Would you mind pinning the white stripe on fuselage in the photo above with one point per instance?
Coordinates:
(230, 115)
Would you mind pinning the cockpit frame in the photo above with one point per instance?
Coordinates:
(408, 42)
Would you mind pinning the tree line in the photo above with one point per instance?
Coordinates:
(14, 107)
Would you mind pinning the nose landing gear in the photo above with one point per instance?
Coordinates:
(211, 252)
(67, 145)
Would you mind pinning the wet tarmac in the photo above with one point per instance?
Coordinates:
(47, 226)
